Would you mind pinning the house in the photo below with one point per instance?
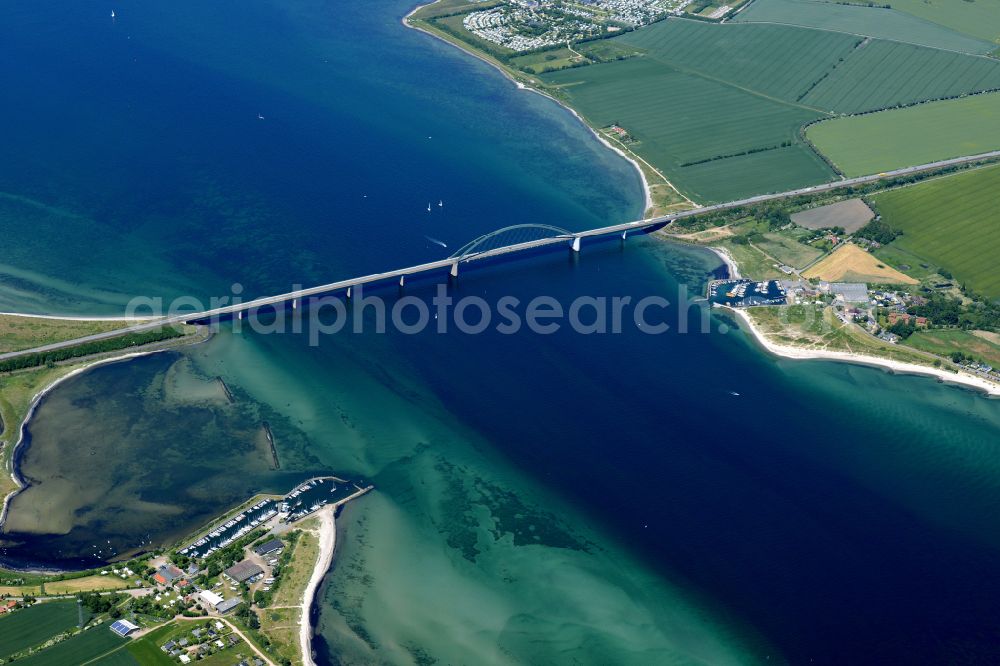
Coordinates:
(896, 317)
(167, 574)
(242, 572)
(210, 598)
(228, 605)
(272, 546)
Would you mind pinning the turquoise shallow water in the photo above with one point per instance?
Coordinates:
(563, 498)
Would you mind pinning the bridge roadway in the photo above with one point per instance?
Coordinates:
(452, 263)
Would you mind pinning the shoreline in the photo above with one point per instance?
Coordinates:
(327, 546)
(75, 317)
(957, 379)
(646, 187)
(727, 259)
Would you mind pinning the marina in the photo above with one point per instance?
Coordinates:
(743, 293)
(307, 498)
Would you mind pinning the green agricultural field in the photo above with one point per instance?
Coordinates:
(719, 108)
(35, 625)
(980, 18)
(952, 223)
(123, 657)
(944, 342)
(862, 20)
(91, 644)
(676, 118)
(778, 61)
(882, 74)
(876, 142)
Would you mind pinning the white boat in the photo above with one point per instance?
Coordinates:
(440, 203)
(112, 13)
(428, 207)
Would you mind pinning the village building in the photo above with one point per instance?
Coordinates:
(242, 572)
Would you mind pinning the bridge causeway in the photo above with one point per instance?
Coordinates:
(479, 250)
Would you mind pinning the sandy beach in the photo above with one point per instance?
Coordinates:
(327, 544)
(727, 259)
(785, 351)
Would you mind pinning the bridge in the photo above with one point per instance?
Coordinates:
(510, 240)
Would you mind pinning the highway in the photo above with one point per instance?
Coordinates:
(452, 263)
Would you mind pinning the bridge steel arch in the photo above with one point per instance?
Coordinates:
(511, 236)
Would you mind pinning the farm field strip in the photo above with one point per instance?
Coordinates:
(883, 74)
(979, 19)
(951, 222)
(92, 643)
(876, 22)
(675, 117)
(781, 62)
(915, 135)
(35, 625)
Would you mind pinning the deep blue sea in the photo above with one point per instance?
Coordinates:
(557, 498)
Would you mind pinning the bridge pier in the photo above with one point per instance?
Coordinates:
(402, 280)
(295, 303)
(624, 234)
(454, 269)
(576, 244)
(348, 292)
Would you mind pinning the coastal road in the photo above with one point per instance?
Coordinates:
(452, 263)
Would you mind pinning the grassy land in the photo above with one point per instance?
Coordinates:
(810, 327)
(281, 625)
(35, 625)
(296, 575)
(18, 333)
(877, 142)
(86, 584)
(849, 263)
(788, 250)
(951, 223)
(944, 342)
(861, 20)
(280, 621)
(980, 18)
(84, 647)
(751, 261)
